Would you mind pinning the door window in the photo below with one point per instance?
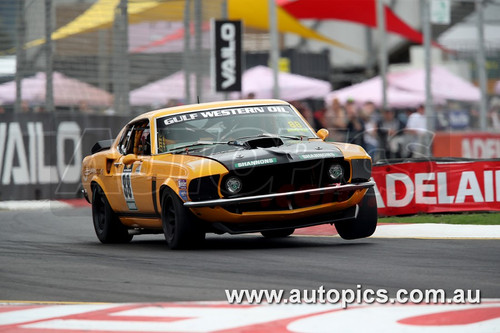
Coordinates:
(136, 139)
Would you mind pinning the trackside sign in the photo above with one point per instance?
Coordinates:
(467, 144)
(41, 154)
(435, 187)
(226, 56)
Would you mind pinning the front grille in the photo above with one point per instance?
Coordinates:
(361, 170)
(204, 188)
(284, 177)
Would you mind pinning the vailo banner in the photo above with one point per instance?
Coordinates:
(226, 55)
(41, 154)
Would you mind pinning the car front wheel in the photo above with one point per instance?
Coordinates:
(181, 228)
(107, 225)
(365, 223)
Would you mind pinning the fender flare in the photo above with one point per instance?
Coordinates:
(171, 184)
(93, 182)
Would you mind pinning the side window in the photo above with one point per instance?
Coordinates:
(136, 139)
(124, 145)
(143, 140)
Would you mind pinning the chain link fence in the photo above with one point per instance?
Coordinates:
(101, 60)
(113, 60)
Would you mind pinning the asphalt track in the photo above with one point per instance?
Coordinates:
(53, 255)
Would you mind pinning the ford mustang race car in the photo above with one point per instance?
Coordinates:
(235, 166)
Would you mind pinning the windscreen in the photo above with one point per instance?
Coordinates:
(221, 125)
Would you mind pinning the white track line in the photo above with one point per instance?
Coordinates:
(431, 230)
(33, 205)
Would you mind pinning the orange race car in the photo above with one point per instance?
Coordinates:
(235, 166)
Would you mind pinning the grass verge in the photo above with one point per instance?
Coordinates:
(462, 218)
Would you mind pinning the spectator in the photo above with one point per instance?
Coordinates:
(335, 121)
(390, 135)
(474, 119)
(370, 118)
(494, 120)
(25, 107)
(307, 113)
(494, 114)
(417, 122)
(319, 116)
(404, 115)
(417, 136)
(355, 125)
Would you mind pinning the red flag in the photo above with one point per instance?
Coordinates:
(359, 11)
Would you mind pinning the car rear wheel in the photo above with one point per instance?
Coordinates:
(365, 223)
(181, 228)
(278, 233)
(107, 225)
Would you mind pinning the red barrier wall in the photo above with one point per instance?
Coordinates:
(467, 144)
(437, 187)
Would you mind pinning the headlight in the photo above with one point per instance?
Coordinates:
(336, 172)
(233, 185)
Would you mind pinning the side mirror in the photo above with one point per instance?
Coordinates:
(130, 158)
(322, 133)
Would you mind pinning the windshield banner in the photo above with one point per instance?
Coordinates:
(225, 113)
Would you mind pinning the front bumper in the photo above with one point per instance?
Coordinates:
(344, 216)
(264, 197)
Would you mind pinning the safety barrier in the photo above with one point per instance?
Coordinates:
(41, 153)
(437, 186)
(466, 144)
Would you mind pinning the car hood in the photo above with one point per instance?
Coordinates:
(237, 157)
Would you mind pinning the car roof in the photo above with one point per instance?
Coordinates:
(206, 106)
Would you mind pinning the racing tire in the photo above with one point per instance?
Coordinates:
(181, 228)
(107, 225)
(365, 223)
(281, 233)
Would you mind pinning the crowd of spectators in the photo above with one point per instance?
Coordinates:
(394, 133)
